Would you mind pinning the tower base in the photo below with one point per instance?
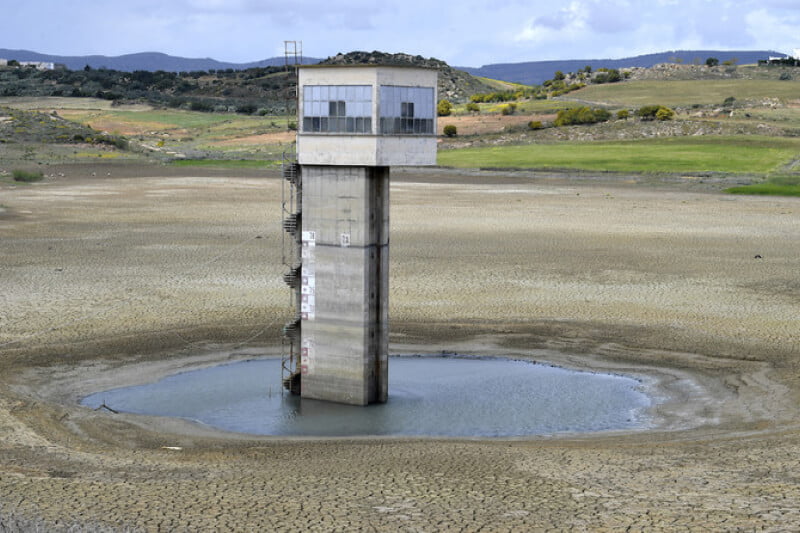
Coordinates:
(345, 284)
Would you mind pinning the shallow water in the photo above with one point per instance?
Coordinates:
(428, 396)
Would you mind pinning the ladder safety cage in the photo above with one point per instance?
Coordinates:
(291, 221)
(291, 254)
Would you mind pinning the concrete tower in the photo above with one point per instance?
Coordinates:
(354, 123)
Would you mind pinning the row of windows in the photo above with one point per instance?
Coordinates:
(420, 126)
(337, 124)
(348, 109)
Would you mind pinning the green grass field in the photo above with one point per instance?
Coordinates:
(777, 186)
(686, 93)
(735, 155)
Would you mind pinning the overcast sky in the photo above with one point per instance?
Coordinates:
(465, 33)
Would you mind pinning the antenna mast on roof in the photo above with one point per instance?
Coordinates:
(292, 58)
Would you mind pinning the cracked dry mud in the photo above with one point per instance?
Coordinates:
(114, 281)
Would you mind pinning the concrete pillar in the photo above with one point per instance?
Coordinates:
(345, 284)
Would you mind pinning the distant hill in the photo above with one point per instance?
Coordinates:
(149, 61)
(536, 72)
(454, 84)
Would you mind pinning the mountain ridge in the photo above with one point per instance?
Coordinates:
(536, 72)
(148, 61)
(526, 72)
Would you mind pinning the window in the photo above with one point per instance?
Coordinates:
(337, 109)
(406, 110)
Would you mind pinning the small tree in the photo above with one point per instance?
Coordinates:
(450, 130)
(712, 62)
(444, 108)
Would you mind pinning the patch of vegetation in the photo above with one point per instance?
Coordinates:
(655, 112)
(26, 176)
(581, 115)
(450, 130)
(19, 126)
(508, 109)
(776, 186)
(724, 154)
(444, 108)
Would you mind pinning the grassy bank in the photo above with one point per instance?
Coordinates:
(777, 186)
(736, 155)
(687, 92)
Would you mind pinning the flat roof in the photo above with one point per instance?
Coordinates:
(368, 65)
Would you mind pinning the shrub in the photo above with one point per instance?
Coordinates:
(472, 107)
(508, 109)
(712, 62)
(26, 176)
(653, 112)
(450, 130)
(246, 109)
(444, 108)
(201, 106)
(535, 124)
(608, 76)
(623, 114)
(665, 113)
(729, 101)
(581, 115)
(785, 76)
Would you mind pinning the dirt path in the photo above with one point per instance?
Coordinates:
(115, 280)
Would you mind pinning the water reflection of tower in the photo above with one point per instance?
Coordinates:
(355, 122)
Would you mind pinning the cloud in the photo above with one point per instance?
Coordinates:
(569, 20)
(472, 32)
(775, 31)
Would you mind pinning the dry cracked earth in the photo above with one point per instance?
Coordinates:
(120, 274)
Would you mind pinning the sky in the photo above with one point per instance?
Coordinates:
(467, 33)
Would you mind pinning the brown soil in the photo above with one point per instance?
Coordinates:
(278, 137)
(483, 124)
(120, 279)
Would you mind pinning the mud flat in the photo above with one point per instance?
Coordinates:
(121, 279)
